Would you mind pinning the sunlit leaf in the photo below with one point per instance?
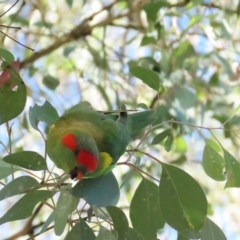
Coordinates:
(81, 231)
(120, 222)
(153, 8)
(232, 167)
(65, 205)
(182, 200)
(148, 40)
(51, 82)
(45, 113)
(18, 186)
(6, 55)
(211, 231)
(148, 76)
(145, 212)
(24, 207)
(160, 137)
(27, 159)
(13, 94)
(169, 141)
(213, 164)
(102, 191)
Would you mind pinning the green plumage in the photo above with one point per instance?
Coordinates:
(105, 135)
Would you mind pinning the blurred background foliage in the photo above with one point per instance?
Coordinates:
(83, 50)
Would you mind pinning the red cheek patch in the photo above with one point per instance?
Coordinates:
(69, 141)
(87, 159)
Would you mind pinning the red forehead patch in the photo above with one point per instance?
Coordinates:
(69, 141)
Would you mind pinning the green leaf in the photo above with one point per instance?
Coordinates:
(232, 167)
(142, 105)
(238, 9)
(236, 110)
(49, 220)
(81, 231)
(134, 235)
(169, 141)
(211, 231)
(65, 205)
(182, 200)
(185, 97)
(152, 9)
(69, 3)
(213, 164)
(7, 169)
(18, 186)
(27, 159)
(181, 237)
(160, 137)
(68, 50)
(145, 212)
(17, 19)
(6, 55)
(24, 207)
(148, 40)
(13, 95)
(45, 113)
(148, 76)
(101, 192)
(120, 222)
(51, 82)
(105, 234)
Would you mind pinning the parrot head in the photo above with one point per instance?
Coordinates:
(86, 162)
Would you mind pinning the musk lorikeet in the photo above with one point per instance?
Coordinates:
(88, 143)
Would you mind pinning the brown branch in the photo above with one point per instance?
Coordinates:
(208, 5)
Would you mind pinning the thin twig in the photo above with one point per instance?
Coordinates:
(9, 9)
(16, 41)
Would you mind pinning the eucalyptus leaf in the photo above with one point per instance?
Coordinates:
(45, 113)
(13, 93)
(211, 231)
(105, 234)
(19, 185)
(160, 137)
(49, 220)
(24, 207)
(6, 169)
(65, 205)
(27, 159)
(148, 76)
(80, 231)
(120, 222)
(6, 55)
(232, 167)
(213, 164)
(101, 192)
(182, 200)
(145, 212)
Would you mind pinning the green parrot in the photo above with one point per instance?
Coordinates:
(87, 143)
